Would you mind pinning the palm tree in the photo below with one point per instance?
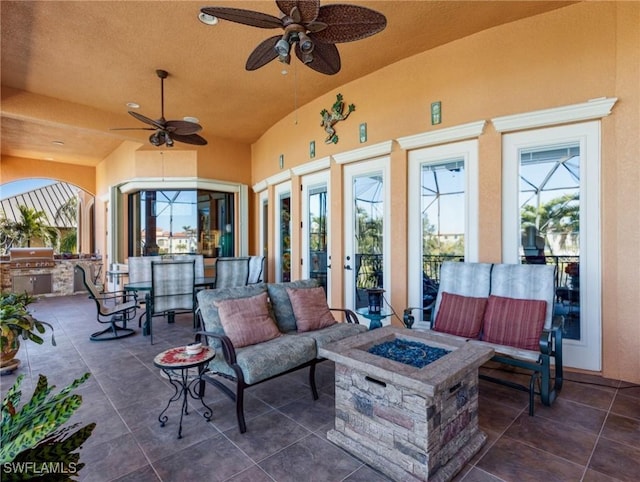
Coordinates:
(34, 226)
(67, 213)
(559, 216)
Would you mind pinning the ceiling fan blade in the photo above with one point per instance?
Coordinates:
(182, 127)
(132, 129)
(326, 58)
(194, 139)
(308, 9)
(146, 120)
(264, 53)
(346, 23)
(246, 17)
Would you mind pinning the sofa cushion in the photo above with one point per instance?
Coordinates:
(209, 310)
(310, 308)
(282, 309)
(246, 321)
(268, 359)
(335, 332)
(514, 322)
(460, 315)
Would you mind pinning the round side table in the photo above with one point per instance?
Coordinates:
(175, 363)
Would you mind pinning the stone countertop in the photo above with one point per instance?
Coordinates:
(436, 376)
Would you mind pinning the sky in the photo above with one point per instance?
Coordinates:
(14, 188)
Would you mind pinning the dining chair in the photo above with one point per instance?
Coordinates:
(172, 290)
(111, 309)
(198, 258)
(256, 267)
(232, 272)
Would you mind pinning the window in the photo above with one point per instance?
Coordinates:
(181, 221)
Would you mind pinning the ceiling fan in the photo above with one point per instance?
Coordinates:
(312, 28)
(168, 131)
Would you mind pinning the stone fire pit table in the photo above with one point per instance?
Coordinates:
(410, 423)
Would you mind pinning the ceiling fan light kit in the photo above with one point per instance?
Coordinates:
(168, 131)
(310, 29)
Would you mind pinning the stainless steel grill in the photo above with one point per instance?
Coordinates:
(31, 258)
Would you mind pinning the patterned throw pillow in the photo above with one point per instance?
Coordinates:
(246, 321)
(310, 308)
(460, 315)
(281, 304)
(514, 322)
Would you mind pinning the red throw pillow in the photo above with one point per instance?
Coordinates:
(310, 308)
(246, 321)
(460, 315)
(514, 322)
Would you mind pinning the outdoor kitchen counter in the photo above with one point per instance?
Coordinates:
(58, 279)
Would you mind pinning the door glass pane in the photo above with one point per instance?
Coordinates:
(285, 237)
(368, 194)
(443, 221)
(550, 222)
(317, 223)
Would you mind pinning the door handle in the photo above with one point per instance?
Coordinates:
(346, 266)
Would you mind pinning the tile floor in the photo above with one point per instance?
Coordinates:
(591, 433)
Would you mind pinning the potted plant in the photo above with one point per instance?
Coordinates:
(16, 322)
(34, 443)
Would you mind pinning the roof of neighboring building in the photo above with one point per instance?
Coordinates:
(48, 199)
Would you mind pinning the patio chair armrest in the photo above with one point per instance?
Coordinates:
(407, 316)
(228, 350)
(551, 338)
(115, 295)
(349, 315)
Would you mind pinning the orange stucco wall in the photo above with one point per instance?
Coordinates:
(583, 51)
(533, 64)
(17, 168)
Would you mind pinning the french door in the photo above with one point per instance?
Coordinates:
(366, 231)
(551, 214)
(443, 214)
(315, 228)
(283, 232)
(263, 244)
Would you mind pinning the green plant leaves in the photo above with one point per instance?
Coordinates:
(34, 433)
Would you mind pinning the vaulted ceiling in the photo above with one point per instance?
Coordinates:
(70, 67)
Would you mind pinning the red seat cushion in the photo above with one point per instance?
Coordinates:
(514, 322)
(460, 315)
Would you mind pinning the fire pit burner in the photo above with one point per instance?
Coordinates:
(408, 352)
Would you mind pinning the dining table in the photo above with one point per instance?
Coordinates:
(145, 286)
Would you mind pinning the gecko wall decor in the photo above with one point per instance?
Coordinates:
(329, 118)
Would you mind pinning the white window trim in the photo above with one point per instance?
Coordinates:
(441, 136)
(313, 166)
(592, 109)
(364, 153)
